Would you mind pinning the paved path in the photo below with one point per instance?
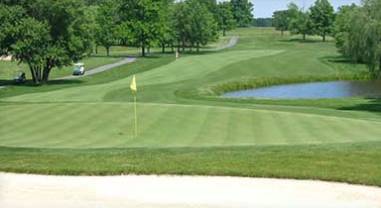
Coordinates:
(232, 42)
(101, 68)
(97, 69)
(33, 191)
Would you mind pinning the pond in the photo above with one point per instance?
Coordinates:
(313, 90)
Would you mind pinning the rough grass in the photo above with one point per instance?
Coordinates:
(353, 163)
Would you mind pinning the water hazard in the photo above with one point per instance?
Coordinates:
(313, 90)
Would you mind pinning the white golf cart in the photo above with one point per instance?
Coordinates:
(79, 69)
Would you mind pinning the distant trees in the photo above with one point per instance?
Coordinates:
(318, 20)
(263, 22)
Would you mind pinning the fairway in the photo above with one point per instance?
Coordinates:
(177, 108)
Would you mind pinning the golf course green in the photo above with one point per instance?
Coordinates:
(186, 127)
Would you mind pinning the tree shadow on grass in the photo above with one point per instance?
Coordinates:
(30, 83)
(374, 105)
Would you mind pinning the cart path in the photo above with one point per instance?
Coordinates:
(101, 68)
(97, 69)
(38, 191)
(232, 42)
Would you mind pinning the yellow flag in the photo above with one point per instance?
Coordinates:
(133, 85)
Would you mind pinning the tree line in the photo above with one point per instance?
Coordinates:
(45, 34)
(356, 28)
(317, 20)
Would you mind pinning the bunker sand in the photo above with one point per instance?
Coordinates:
(19, 190)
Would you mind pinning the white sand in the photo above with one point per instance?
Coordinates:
(19, 190)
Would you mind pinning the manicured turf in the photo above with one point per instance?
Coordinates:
(169, 125)
(175, 113)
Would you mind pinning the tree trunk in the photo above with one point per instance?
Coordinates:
(148, 49)
(46, 73)
(224, 32)
(32, 72)
(143, 50)
(304, 36)
(163, 48)
(96, 49)
(281, 32)
(198, 47)
(324, 37)
(108, 51)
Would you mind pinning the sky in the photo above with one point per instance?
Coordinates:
(265, 8)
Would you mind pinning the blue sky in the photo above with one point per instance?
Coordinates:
(265, 8)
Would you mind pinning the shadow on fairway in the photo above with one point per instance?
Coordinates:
(374, 105)
(299, 40)
(29, 83)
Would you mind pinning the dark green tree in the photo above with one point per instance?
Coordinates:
(107, 25)
(342, 26)
(202, 23)
(225, 17)
(141, 17)
(323, 17)
(242, 12)
(299, 21)
(45, 34)
(281, 20)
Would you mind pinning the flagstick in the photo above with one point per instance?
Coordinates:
(136, 118)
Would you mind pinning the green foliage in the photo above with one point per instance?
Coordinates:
(300, 22)
(280, 20)
(45, 34)
(142, 18)
(225, 17)
(323, 17)
(242, 12)
(342, 26)
(358, 33)
(194, 24)
(107, 30)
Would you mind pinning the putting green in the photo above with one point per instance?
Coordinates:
(101, 125)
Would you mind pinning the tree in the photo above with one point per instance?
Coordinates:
(322, 16)
(225, 17)
(280, 20)
(299, 21)
(45, 34)
(242, 12)
(203, 25)
(343, 25)
(166, 35)
(141, 17)
(181, 24)
(360, 36)
(107, 28)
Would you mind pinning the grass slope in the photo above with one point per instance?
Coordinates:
(223, 137)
